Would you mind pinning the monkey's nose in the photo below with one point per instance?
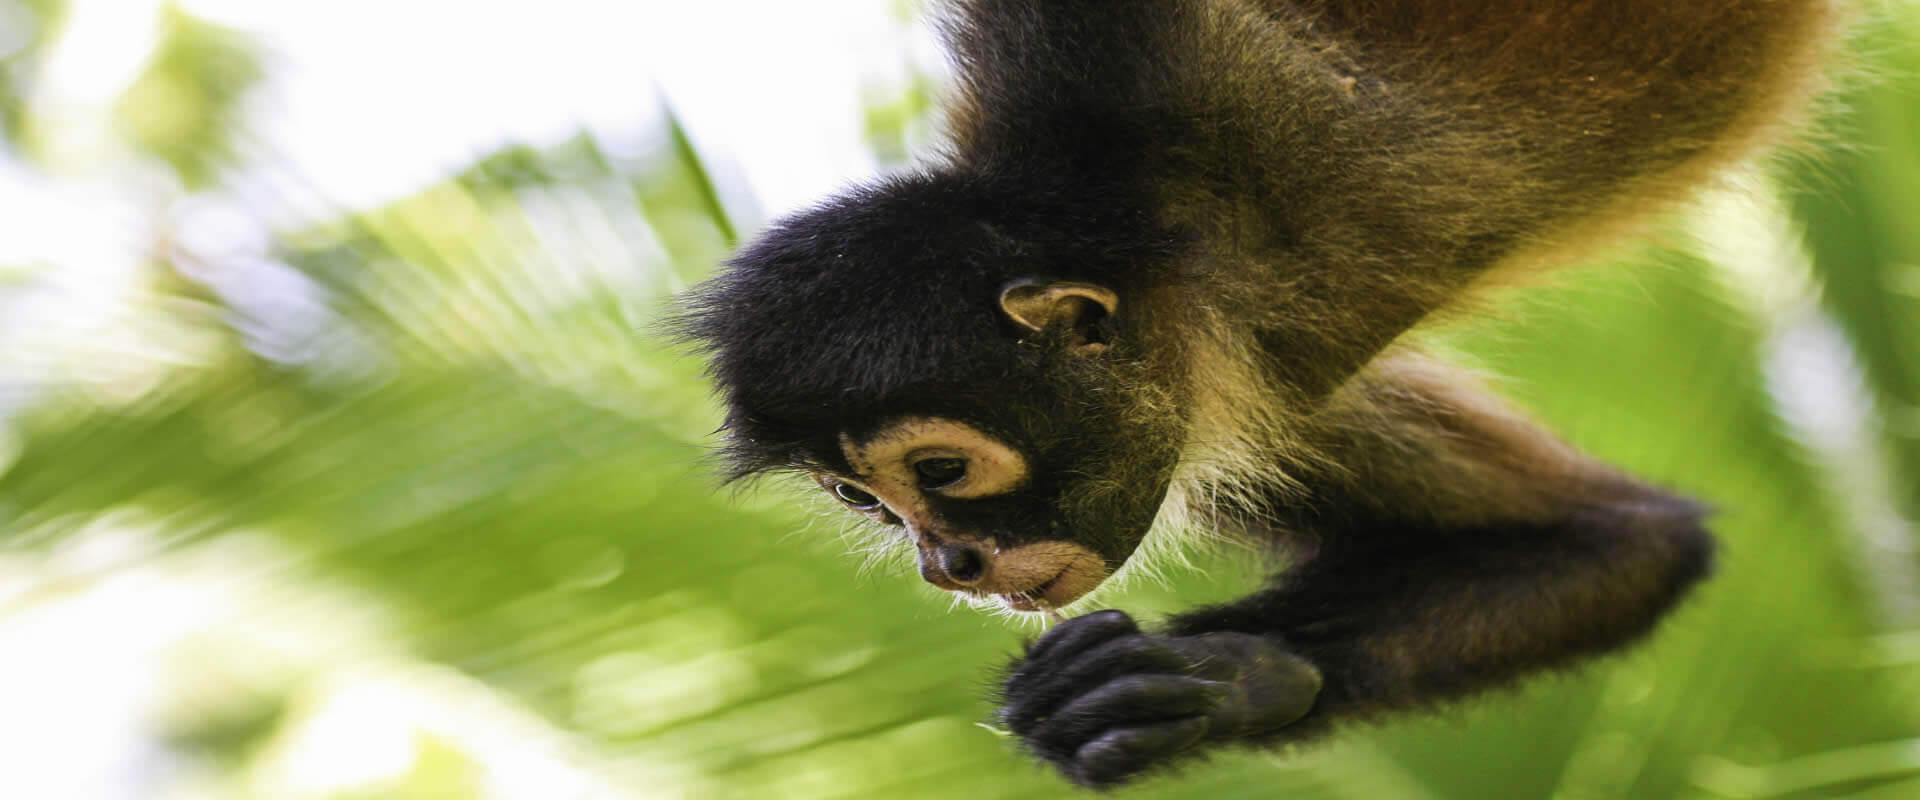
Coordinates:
(962, 562)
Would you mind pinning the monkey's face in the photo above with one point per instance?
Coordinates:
(1031, 487)
(1012, 427)
(970, 504)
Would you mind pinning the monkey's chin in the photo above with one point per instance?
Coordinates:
(1026, 604)
(1079, 577)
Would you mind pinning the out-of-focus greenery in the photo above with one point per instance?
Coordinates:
(24, 29)
(409, 503)
(1859, 206)
(183, 105)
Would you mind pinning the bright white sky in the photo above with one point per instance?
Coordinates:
(371, 99)
(381, 96)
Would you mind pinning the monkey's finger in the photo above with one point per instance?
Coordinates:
(1122, 753)
(1081, 633)
(1129, 701)
(1034, 695)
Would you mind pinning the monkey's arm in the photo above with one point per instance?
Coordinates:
(1456, 548)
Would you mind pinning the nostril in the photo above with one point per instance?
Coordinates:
(962, 563)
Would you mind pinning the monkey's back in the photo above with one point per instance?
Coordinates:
(1351, 167)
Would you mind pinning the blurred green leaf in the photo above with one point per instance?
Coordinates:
(26, 28)
(1859, 204)
(184, 108)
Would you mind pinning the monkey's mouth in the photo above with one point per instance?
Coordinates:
(1035, 577)
(1031, 599)
(1073, 581)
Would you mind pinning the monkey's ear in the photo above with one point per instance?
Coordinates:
(1037, 305)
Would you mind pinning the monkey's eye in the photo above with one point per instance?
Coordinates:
(856, 498)
(937, 472)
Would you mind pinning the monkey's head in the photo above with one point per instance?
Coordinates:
(950, 361)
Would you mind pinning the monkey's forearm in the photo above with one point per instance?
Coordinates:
(1398, 616)
(1458, 547)
(1388, 617)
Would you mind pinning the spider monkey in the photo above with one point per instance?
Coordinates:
(1155, 281)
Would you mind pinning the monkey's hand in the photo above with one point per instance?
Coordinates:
(1103, 701)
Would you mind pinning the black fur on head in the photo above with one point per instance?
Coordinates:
(884, 301)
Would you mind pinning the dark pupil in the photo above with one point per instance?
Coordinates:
(855, 497)
(937, 472)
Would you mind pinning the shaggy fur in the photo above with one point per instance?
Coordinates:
(1276, 190)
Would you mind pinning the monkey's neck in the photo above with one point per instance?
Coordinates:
(1243, 449)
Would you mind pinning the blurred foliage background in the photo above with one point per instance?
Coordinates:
(336, 460)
